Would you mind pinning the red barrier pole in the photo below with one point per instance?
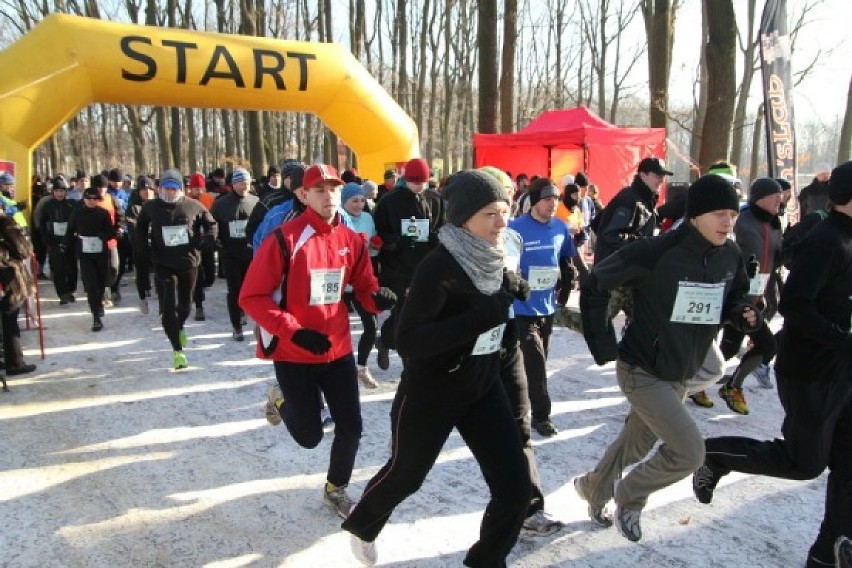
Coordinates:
(39, 326)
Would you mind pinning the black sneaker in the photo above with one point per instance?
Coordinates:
(97, 324)
(199, 314)
(843, 552)
(22, 370)
(545, 428)
(63, 299)
(704, 482)
(383, 355)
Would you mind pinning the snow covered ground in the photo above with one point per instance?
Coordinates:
(110, 458)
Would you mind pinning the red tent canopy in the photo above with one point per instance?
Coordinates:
(561, 142)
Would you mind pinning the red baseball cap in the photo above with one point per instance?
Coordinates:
(319, 173)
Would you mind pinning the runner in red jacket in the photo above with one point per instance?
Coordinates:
(293, 290)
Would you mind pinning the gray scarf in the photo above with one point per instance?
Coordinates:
(481, 261)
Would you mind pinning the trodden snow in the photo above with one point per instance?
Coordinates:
(110, 458)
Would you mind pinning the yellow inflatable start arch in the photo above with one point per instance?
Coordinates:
(67, 62)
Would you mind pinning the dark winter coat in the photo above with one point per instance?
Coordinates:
(631, 215)
(653, 269)
(816, 303)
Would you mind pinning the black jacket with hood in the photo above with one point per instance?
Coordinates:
(652, 269)
(629, 216)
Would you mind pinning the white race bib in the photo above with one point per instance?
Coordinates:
(326, 286)
(698, 303)
(757, 285)
(92, 244)
(542, 277)
(419, 227)
(490, 341)
(59, 229)
(237, 229)
(175, 236)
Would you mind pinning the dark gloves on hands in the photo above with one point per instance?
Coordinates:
(313, 341)
(752, 266)
(516, 286)
(563, 293)
(384, 298)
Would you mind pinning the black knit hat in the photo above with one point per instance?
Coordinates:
(541, 188)
(763, 187)
(710, 193)
(840, 184)
(468, 191)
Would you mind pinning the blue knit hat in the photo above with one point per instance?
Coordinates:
(350, 190)
(240, 174)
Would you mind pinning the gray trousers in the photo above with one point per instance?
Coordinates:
(656, 413)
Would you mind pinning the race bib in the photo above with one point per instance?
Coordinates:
(326, 286)
(542, 277)
(418, 227)
(237, 229)
(92, 244)
(490, 341)
(698, 303)
(175, 236)
(757, 285)
(59, 229)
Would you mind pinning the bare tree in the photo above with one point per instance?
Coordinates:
(659, 16)
(507, 67)
(486, 40)
(844, 151)
(720, 52)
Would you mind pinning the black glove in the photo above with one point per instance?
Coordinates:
(384, 298)
(313, 341)
(752, 266)
(515, 285)
(747, 327)
(563, 293)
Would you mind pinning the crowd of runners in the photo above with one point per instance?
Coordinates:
(470, 273)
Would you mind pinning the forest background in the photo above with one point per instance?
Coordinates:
(464, 66)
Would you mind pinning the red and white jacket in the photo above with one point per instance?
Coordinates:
(276, 278)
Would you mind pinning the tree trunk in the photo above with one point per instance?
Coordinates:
(749, 67)
(191, 141)
(756, 139)
(721, 83)
(507, 67)
(137, 137)
(165, 155)
(659, 28)
(844, 151)
(446, 130)
(250, 13)
(486, 41)
(701, 103)
(420, 103)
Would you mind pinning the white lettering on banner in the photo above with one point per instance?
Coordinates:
(698, 303)
(175, 236)
(490, 341)
(59, 229)
(326, 286)
(542, 277)
(91, 245)
(237, 228)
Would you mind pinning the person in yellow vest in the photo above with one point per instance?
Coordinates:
(13, 209)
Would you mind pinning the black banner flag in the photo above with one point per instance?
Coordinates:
(778, 96)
